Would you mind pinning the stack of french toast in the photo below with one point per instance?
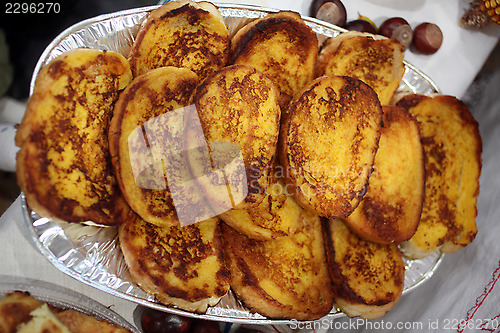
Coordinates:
(303, 180)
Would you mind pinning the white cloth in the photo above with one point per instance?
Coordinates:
(464, 288)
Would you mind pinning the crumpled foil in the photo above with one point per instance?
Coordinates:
(91, 254)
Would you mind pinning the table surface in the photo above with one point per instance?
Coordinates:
(453, 68)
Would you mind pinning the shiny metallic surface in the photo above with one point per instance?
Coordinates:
(91, 254)
(62, 298)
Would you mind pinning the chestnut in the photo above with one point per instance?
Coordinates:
(331, 11)
(427, 38)
(397, 28)
(361, 25)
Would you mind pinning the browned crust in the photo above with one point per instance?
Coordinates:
(239, 104)
(295, 266)
(374, 59)
(410, 100)
(78, 322)
(390, 210)
(200, 44)
(366, 276)
(325, 108)
(147, 97)
(182, 266)
(277, 216)
(452, 150)
(294, 66)
(76, 142)
(15, 309)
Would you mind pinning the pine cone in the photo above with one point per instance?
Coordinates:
(481, 13)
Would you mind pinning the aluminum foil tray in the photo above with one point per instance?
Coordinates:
(62, 298)
(92, 254)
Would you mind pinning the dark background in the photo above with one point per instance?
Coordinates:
(28, 34)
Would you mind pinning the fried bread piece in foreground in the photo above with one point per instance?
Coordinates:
(181, 266)
(368, 277)
(21, 312)
(328, 144)
(390, 209)
(452, 154)
(64, 166)
(374, 59)
(78, 322)
(185, 34)
(43, 321)
(279, 45)
(16, 308)
(144, 134)
(286, 278)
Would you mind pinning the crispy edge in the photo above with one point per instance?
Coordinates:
(284, 155)
(246, 284)
(368, 221)
(259, 30)
(458, 242)
(160, 13)
(26, 152)
(351, 303)
(139, 271)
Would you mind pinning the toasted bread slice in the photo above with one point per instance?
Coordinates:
(64, 167)
(281, 46)
(16, 308)
(277, 216)
(240, 105)
(141, 173)
(78, 322)
(21, 312)
(43, 321)
(181, 266)
(452, 154)
(285, 278)
(368, 277)
(183, 34)
(375, 60)
(328, 144)
(390, 210)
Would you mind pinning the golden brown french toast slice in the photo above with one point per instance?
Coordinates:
(328, 144)
(368, 278)
(375, 60)
(183, 266)
(184, 34)
(239, 105)
(390, 210)
(281, 46)
(21, 312)
(64, 166)
(78, 322)
(144, 134)
(278, 215)
(452, 154)
(16, 308)
(43, 321)
(286, 278)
